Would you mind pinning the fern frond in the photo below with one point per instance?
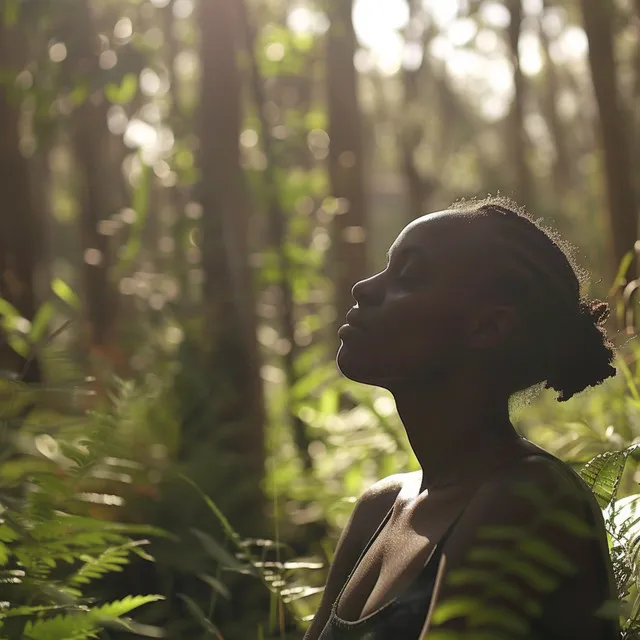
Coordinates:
(117, 609)
(73, 626)
(112, 559)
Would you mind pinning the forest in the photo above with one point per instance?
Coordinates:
(189, 190)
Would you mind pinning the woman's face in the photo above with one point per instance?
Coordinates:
(412, 320)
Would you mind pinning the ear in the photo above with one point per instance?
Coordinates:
(493, 326)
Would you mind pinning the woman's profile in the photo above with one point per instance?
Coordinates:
(475, 304)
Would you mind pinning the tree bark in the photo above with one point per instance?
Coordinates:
(346, 169)
(518, 133)
(614, 129)
(228, 290)
(20, 233)
(419, 187)
(562, 175)
(101, 191)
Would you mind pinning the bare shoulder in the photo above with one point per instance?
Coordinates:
(376, 501)
(538, 475)
(527, 489)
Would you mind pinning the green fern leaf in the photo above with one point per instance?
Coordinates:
(604, 472)
(118, 608)
(74, 626)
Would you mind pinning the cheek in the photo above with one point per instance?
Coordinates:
(410, 340)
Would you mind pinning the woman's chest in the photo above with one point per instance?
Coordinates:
(395, 558)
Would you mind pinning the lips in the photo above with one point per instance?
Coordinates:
(355, 319)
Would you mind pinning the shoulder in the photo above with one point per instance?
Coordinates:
(536, 479)
(375, 502)
(537, 493)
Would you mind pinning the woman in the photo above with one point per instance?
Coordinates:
(475, 304)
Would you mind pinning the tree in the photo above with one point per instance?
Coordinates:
(100, 195)
(228, 290)
(598, 18)
(517, 132)
(346, 161)
(20, 233)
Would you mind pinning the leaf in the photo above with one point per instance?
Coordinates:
(8, 311)
(65, 293)
(118, 608)
(620, 278)
(198, 614)
(41, 321)
(123, 93)
(500, 617)
(217, 585)
(456, 607)
(603, 474)
(220, 554)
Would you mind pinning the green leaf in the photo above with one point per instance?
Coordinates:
(4, 554)
(457, 607)
(65, 293)
(8, 311)
(41, 321)
(198, 614)
(499, 617)
(603, 474)
(620, 278)
(220, 554)
(217, 585)
(123, 93)
(118, 608)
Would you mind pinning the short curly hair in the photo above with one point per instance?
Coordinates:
(566, 346)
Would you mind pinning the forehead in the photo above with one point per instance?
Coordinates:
(440, 231)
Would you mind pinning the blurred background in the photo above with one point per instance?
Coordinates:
(190, 188)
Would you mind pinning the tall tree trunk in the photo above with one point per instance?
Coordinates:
(277, 221)
(346, 168)
(518, 133)
(419, 187)
(20, 233)
(228, 290)
(614, 127)
(100, 190)
(562, 175)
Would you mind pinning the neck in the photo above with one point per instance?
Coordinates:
(454, 429)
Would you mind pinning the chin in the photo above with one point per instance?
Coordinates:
(354, 368)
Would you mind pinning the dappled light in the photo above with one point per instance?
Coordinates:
(190, 190)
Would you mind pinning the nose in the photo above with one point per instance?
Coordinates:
(368, 292)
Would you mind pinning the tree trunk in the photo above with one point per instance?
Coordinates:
(228, 291)
(518, 133)
(419, 187)
(346, 169)
(614, 129)
(20, 233)
(562, 175)
(100, 195)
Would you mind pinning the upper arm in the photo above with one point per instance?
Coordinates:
(365, 518)
(524, 546)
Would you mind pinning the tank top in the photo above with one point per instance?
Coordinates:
(403, 618)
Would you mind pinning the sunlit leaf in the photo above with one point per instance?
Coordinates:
(65, 293)
(41, 322)
(603, 474)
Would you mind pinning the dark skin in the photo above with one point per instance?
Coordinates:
(430, 330)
